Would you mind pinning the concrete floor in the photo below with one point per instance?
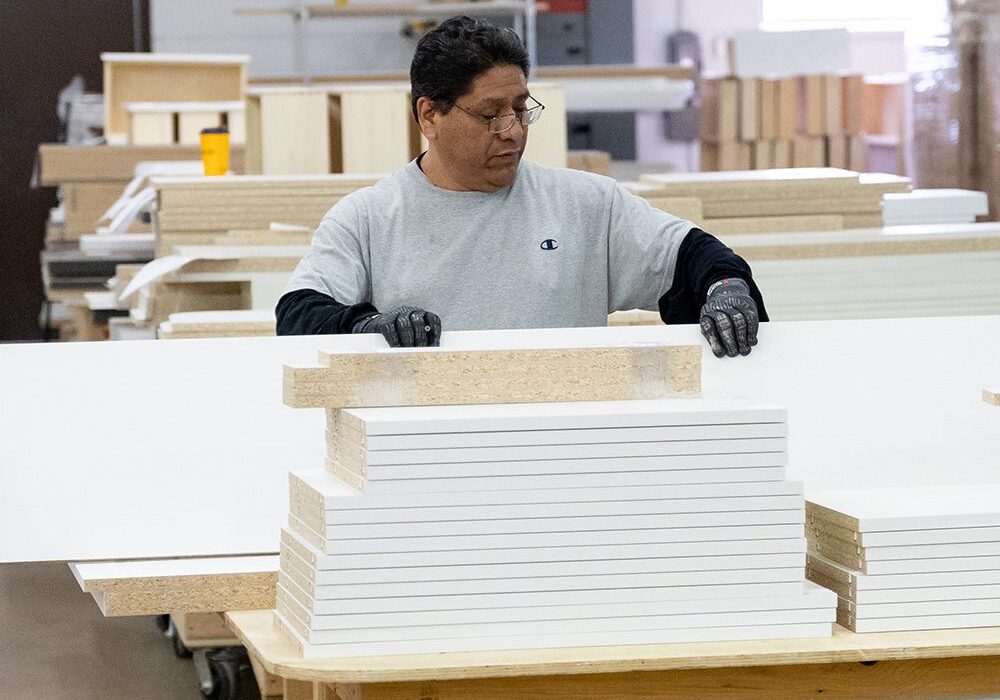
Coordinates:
(56, 645)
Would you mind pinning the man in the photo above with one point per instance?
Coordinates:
(468, 236)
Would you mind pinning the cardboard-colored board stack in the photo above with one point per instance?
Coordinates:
(91, 178)
(778, 200)
(908, 558)
(196, 211)
(527, 526)
(800, 121)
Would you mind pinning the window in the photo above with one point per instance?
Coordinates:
(920, 17)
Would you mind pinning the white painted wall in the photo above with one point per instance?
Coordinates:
(335, 46)
(714, 21)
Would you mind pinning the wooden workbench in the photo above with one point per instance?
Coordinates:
(952, 663)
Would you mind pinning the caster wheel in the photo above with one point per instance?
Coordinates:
(231, 675)
(162, 622)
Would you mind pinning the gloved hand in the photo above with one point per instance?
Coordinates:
(729, 318)
(403, 327)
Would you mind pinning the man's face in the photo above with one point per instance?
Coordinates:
(474, 157)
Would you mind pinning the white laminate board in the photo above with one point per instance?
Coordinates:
(576, 451)
(544, 512)
(423, 420)
(485, 601)
(338, 496)
(663, 464)
(88, 573)
(560, 481)
(525, 555)
(917, 508)
(807, 598)
(929, 622)
(928, 607)
(535, 539)
(604, 567)
(567, 524)
(926, 566)
(401, 446)
(210, 413)
(923, 203)
(932, 551)
(552, 639)
(552, 583)
(932, 579)
(913, 538)
(907, 595)
(604, 625)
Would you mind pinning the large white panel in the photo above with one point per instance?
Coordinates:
(140, 449)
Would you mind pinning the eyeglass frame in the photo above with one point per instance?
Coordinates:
(490, 121)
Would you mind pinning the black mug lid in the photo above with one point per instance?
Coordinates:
(215, 130)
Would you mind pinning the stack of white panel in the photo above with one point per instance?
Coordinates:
(908, 558)
(545, 525)
(940, 206)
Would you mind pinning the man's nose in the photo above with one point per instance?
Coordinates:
(514, 133)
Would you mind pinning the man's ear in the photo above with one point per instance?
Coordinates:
(427, 118)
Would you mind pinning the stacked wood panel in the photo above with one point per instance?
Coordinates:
(466, 513)
(752, 123)
(908, 558)
(778, 200)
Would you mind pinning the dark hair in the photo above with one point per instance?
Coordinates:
(451, 56)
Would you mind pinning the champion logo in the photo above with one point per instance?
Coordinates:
(549, 244)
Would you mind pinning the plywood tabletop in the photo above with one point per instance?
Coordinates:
(278, 656)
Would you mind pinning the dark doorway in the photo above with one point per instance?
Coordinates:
(43, 44)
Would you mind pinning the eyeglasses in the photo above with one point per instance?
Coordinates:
(505, 122)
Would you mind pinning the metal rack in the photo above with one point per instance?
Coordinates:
(524, 13)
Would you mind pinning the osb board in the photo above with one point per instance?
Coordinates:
(265, 237)
(784, 183)
(441, 377)
(887, 246)
(857, 204)
(59, 163)
(210, 593)
(774, 224)
(992, 396)
(277, 654)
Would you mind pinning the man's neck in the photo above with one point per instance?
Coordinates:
(435, 171)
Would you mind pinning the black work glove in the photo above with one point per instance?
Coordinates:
(403, 327)
(729, 318)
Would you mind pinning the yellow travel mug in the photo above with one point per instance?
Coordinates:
(215, 150)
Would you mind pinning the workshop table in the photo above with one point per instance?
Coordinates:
(946, 663)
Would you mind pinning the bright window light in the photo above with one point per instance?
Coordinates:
(923, 17)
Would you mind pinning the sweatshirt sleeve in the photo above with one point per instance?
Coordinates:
(643, 248)
(308, 312)
(703, 260)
